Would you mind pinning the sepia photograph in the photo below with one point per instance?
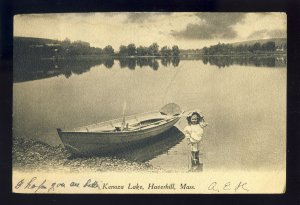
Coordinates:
(149, 102)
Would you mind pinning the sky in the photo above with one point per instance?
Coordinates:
(188, 30)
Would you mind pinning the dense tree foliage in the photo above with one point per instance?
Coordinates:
(175, 50)
(166, 51)
(227, 49)
(108, 50)
(142, 51)
(152, 50)
(46, 48)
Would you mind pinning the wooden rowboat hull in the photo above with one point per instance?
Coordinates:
(91, 143)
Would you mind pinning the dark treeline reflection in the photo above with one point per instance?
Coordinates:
(169, 61)
(153, 63)
(258, 61)
(28, 69)
(33, 69)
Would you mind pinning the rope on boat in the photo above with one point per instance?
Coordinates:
(169, 85)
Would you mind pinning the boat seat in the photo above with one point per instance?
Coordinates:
(118, 129)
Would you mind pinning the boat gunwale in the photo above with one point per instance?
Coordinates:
(121, 132)
(117, 119)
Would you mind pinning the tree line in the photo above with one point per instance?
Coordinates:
(46, 48)
(227, 49)
(152, 50)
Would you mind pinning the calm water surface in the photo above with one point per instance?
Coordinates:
(244, 104)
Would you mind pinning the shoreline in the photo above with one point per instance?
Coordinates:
(182, 56)
(31, 155)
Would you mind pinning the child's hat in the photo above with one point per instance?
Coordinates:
(195, 111)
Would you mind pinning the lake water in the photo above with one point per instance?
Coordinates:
(243, 100)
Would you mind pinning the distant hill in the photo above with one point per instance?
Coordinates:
(28, 48)
(279, 42)
(35, 41)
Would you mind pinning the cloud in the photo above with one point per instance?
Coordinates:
(138, 17)
(54, 15)
(141, 17)
(258, 34)
(275, 33)
(211, 26)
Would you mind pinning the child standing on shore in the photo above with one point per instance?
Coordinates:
(194, 133)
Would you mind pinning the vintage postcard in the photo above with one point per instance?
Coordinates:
(149, 102)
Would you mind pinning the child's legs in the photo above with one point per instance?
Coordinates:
(195, 150)
(195, 146)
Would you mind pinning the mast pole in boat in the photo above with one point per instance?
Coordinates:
(123, 119)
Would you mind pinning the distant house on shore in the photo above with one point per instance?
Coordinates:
(279, 49)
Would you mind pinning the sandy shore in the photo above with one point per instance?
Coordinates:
(31, 155)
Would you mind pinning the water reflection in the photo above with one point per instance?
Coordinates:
(127, 62)
(148, 150)
(108, 63)
(28, 69)
(258, 61)
(168, 61)
(153, 63)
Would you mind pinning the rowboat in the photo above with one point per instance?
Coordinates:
(111, 136)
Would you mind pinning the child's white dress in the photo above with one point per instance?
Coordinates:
(194, 133)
